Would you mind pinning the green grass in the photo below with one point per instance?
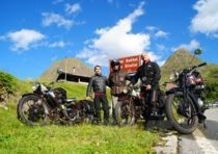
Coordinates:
(16, 137)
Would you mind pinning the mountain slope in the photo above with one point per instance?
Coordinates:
(69, 65)
(181, 59)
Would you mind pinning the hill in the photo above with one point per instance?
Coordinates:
(179, 60)
(69, 65)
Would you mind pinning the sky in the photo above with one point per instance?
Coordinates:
(35, 34)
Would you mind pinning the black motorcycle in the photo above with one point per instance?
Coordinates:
(184, 104)
(50, 105)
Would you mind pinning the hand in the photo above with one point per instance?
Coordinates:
(88, 98)
(148, 87)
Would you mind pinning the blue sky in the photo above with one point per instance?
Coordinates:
(34, 34)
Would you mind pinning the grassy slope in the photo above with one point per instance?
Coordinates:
(16, 137)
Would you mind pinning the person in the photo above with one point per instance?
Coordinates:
(149, 74)
(98, 84)
(117, 83)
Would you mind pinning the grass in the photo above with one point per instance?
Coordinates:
(16, 137)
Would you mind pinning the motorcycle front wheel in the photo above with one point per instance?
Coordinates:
(123, 113)
(32, 111)
(181, 113)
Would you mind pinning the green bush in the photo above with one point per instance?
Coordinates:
(212, 91)
(8, 82)
(211, 76)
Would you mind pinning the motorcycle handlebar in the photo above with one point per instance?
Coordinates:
(202, 64)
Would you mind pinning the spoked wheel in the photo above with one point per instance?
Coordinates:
(32, 111)
(123, 113)
(181, 113)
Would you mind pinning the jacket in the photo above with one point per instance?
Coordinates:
(117, 82)
(148, 73)
(98, 84)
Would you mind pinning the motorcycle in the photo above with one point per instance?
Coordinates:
(185, 103)
(128, 109)
(50, 105)
(134, 107)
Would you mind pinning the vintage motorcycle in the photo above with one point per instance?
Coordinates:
(46, 105)
(184, 106)
(132, 106)
(185, 103)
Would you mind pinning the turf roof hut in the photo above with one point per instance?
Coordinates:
(68, 69)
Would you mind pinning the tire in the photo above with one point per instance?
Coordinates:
(172, 119)
(122, 114)
(26, 118)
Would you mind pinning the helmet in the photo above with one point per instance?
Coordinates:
(115, 62)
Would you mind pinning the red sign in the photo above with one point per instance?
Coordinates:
(130, 64)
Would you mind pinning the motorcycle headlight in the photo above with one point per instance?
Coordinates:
(172, 77)
(125, 90)
(34, 87)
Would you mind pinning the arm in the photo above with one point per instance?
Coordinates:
(109, 81)
(89, 87)
(135, 78)
(157, 75)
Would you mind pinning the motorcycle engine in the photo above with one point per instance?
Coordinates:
(60, 95)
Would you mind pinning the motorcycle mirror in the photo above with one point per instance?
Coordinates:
(198, 51)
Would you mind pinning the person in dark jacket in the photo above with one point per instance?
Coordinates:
(98, 84)
(117, 83)
(149, 74)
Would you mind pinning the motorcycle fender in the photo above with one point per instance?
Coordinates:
(28, 94)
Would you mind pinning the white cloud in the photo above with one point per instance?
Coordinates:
(24, 39)
(161, 34)
(156, 32)
(58, 44)
(72, 8)
(151, 28)
(194, 44)
(56, 19)
(206, 19)
(117, 41)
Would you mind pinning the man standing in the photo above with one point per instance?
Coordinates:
(149, 74)
(117, 83)
(98, 84)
